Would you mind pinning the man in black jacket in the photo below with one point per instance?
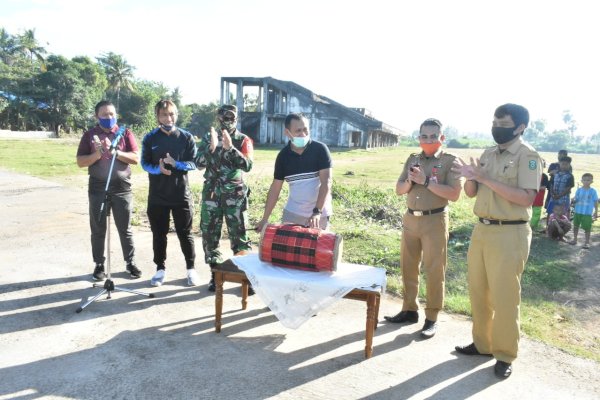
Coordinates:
(168, 153)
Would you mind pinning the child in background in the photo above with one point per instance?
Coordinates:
(563, 183)
(538, 202)
(586, 209)
(558, 223)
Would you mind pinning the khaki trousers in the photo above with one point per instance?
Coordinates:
(424, 242)
(496, 260)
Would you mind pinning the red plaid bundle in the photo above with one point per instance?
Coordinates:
(298, 247)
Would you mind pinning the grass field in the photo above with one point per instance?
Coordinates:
(369, 216)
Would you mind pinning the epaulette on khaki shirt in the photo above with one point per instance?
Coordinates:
(439, 169)
(518, 166)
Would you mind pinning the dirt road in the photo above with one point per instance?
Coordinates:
(132, 347)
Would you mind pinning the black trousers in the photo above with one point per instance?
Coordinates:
(121, 207)
(159, 217)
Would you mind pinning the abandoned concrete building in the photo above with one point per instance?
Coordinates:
(263, 104)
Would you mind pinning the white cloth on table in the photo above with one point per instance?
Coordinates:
(295, 296)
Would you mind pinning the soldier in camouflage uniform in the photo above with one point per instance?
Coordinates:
(225, 154)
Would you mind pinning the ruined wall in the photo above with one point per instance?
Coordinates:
(325, 130)
(346, 134)
(297, 105)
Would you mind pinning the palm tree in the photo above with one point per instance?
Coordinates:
(118, 73)
(7, 47)
(570, 122)
(28, 45)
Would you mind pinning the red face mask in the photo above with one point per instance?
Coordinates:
(430, 148)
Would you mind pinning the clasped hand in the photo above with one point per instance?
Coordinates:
(417, 175)
(214, 140)
(102, 146)
(167, 160)
(473, 171)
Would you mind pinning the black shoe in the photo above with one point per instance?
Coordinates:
(404, 316)
(429, 329)
(211, 285)
(470, 350)
(99, 274)
(502, 369)
(134, 271)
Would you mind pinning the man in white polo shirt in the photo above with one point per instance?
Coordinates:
(305, 165)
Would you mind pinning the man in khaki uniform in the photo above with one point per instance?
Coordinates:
(505, 181)
(429, 183)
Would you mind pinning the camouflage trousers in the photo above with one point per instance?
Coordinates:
(235, 212)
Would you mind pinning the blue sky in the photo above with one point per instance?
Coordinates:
(403, 60)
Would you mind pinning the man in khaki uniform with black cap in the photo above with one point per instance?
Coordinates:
(429, 183)
(505, 181)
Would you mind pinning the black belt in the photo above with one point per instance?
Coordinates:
(419, 213)
(500, 222)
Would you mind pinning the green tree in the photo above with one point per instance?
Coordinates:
(594, 141)
(16, 84)
(21, 56)
(203, 117)
(250, 102)
(570, 122)
(67, 92)
(137, 106)
(451, 132)
(535, 132)
(118, 72)
(184, 112)
(94, 79)
(558, 139)
(7, 47)
(29, 45)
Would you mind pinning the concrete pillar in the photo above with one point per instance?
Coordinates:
(224, 91)
(260, 107)
(263, 115)
(239, 96)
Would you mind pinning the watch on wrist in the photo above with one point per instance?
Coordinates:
(316, 211)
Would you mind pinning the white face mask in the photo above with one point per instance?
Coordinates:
(300, 141)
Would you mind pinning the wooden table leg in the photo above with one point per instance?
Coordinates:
(218, 300)
(245, 284)
(371, 324)
(377, 302)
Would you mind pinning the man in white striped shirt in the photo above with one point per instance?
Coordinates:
(305, 164)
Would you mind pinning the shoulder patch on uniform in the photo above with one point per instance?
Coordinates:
(532, 164)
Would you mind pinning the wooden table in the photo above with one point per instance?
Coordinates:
(229, 272)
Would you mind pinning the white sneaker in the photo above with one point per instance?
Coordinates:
(192, 277)
(158, 278)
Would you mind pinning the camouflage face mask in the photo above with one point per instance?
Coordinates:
(229, 125)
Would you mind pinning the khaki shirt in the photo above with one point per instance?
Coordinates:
(438, 169)
(518, 166)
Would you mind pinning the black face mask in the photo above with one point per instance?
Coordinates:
(502, 135)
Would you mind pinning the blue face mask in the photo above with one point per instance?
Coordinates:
(107, 123)
(167, 128)
(301, 141)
